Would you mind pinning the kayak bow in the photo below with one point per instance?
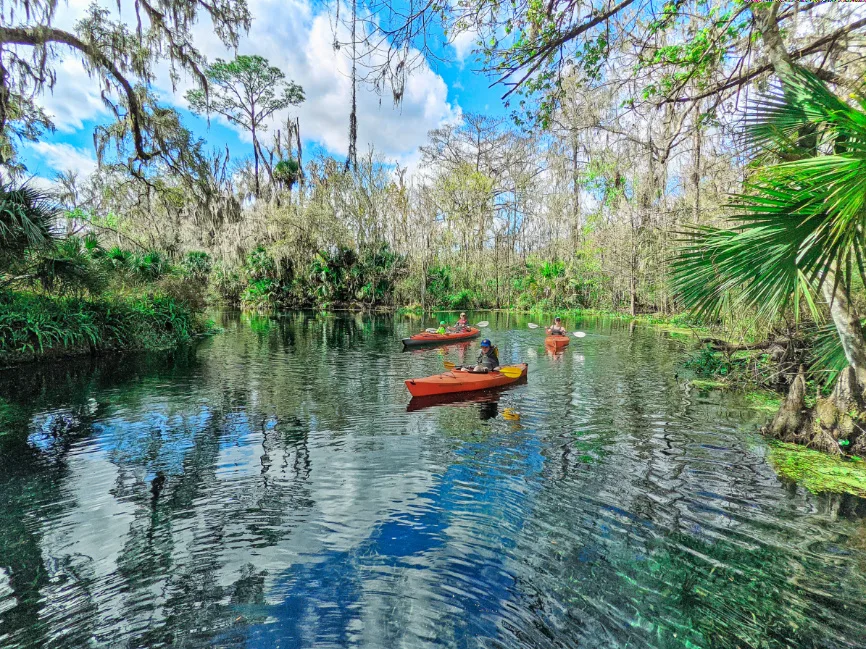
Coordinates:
(557, 341)
(426, 338)
(460, 381)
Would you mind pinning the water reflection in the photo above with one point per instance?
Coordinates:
(485, 402)
(269, 488)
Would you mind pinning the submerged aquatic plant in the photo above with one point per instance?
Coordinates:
(819, 472)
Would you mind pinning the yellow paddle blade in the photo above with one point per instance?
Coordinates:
(449, 365)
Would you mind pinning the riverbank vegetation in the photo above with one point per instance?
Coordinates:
(67, 295)
(620, 182)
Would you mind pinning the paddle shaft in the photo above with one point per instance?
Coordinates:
(576, 334)
(511, 371)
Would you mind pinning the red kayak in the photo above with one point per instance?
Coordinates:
(427, 338)
(557, 342)
(460, 381)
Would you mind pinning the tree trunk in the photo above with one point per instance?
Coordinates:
(300, 152)
(847, 322)
(766, 18)
(256, 160)
(496, 266)
(575, 228)
(5, 96)
(269, 166)
(696, 172)
(352, 157)
(632, 288)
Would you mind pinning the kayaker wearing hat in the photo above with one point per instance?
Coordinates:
(462, 323)
(441, 329)
(556, 329)
(488, 359)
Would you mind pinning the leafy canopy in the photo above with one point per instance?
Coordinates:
(245, 91)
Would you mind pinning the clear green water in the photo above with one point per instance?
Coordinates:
(303, 506)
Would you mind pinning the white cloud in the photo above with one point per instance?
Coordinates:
(463, 44)
(61, 157)
(292, 36)
(41, 182)
(74, 99)
(300, 43)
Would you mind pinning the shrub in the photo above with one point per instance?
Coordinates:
(260, 294)
(28, 219)
(69, 267)
(117, 260)
(438, 284)
(149, 266)
(464, 299)
(196, 265)
(187, 291)
(708, 362)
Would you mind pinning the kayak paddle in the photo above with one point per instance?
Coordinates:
(480, 325)
(511, 371)
(576, 334)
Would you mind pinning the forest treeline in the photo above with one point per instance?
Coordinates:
(492, 217)
(574, 201)
(66, 295)
(580, 209)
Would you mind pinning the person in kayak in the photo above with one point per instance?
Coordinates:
(556, 329)
(488, 358)
(462, 323)
(442, 329)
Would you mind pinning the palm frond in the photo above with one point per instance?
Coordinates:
(28, 218)
(68, 267)
(797, 219)
(804, 105)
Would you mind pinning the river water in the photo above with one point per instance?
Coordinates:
(269, 487)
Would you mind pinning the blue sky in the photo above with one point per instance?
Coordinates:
(436, 94)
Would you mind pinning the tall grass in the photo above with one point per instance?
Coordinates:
(34, 324)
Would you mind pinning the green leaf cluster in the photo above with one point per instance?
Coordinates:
(802, 215)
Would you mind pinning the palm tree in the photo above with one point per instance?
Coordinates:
(800, 228)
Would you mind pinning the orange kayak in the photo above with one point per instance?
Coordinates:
(459, 381)
(557, 341)
(427, 338)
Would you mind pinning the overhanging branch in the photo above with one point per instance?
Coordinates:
(761, 69)
(42, 36)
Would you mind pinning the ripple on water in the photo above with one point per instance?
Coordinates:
(269, 489)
